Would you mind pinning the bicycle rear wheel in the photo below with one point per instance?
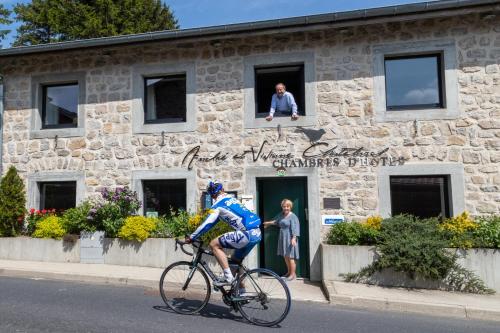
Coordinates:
(266, 300)
(184, 288)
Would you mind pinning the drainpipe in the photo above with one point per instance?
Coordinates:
(1, 125)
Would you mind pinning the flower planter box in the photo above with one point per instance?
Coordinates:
(341, 259)
(91, 247)
(94, 248)
(38, 249)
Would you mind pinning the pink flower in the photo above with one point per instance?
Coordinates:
(44, 211)
(32, 211)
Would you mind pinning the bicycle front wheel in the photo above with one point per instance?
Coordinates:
(263, 297)
(184, 288)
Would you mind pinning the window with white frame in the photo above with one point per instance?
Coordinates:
(415, 81)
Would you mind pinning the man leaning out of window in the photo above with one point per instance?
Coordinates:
(282, 103)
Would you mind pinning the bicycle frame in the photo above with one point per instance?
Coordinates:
(198, 261)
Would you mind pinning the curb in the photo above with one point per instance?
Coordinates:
(426, 308)
(79, 278)
(101, 280)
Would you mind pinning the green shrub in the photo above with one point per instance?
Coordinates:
(49, 227)
(352, 233)
(137, 228)
(418, 248)
(12, 203)
(196, 219)
(174, 225)
(487, 234)
(75, 219)
(414, 246)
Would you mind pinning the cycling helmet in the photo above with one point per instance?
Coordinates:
(214, 187)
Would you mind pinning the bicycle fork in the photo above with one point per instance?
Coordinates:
(190, 276)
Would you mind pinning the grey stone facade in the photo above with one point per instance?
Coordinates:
(343, 95)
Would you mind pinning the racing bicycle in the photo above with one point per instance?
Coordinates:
(260, 295)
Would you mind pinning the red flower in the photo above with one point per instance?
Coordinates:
(44, 211)
(32, 211)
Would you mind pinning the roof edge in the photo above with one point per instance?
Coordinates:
(309, 20)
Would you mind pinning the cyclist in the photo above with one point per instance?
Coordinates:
(246, 232)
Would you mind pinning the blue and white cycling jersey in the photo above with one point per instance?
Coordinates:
(231, 211)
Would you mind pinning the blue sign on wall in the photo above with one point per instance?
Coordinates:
(332, 219)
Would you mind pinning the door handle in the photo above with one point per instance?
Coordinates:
(307, 213)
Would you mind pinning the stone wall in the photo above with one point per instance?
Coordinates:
(109, 151)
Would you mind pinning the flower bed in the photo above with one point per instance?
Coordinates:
(407, 251)
(339, 260)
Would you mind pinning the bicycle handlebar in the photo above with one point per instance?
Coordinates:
(194, 243)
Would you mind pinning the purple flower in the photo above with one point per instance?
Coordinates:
(105, 193)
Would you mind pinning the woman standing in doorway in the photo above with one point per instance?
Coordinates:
(288, 243)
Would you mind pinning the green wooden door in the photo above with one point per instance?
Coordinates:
(270, 193)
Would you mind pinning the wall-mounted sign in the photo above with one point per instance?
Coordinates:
(331, 203)
(151, 214)
(332, 219)
(317, 155)
(247, 201)
(281, 172)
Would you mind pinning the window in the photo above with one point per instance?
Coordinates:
(57, 105)
(165, 99)
(261, 73)
(60, 106)
(422, 196)
(266, 78)
(58, 195)
(414, 82)
(160, 196)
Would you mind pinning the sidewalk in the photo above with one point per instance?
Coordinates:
(129, 275)
(428, 302)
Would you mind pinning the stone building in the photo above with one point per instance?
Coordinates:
(399, 112)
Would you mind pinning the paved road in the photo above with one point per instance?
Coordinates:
(52, 306)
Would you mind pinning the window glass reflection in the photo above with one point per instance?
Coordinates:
(60, 107)
(413, 82)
